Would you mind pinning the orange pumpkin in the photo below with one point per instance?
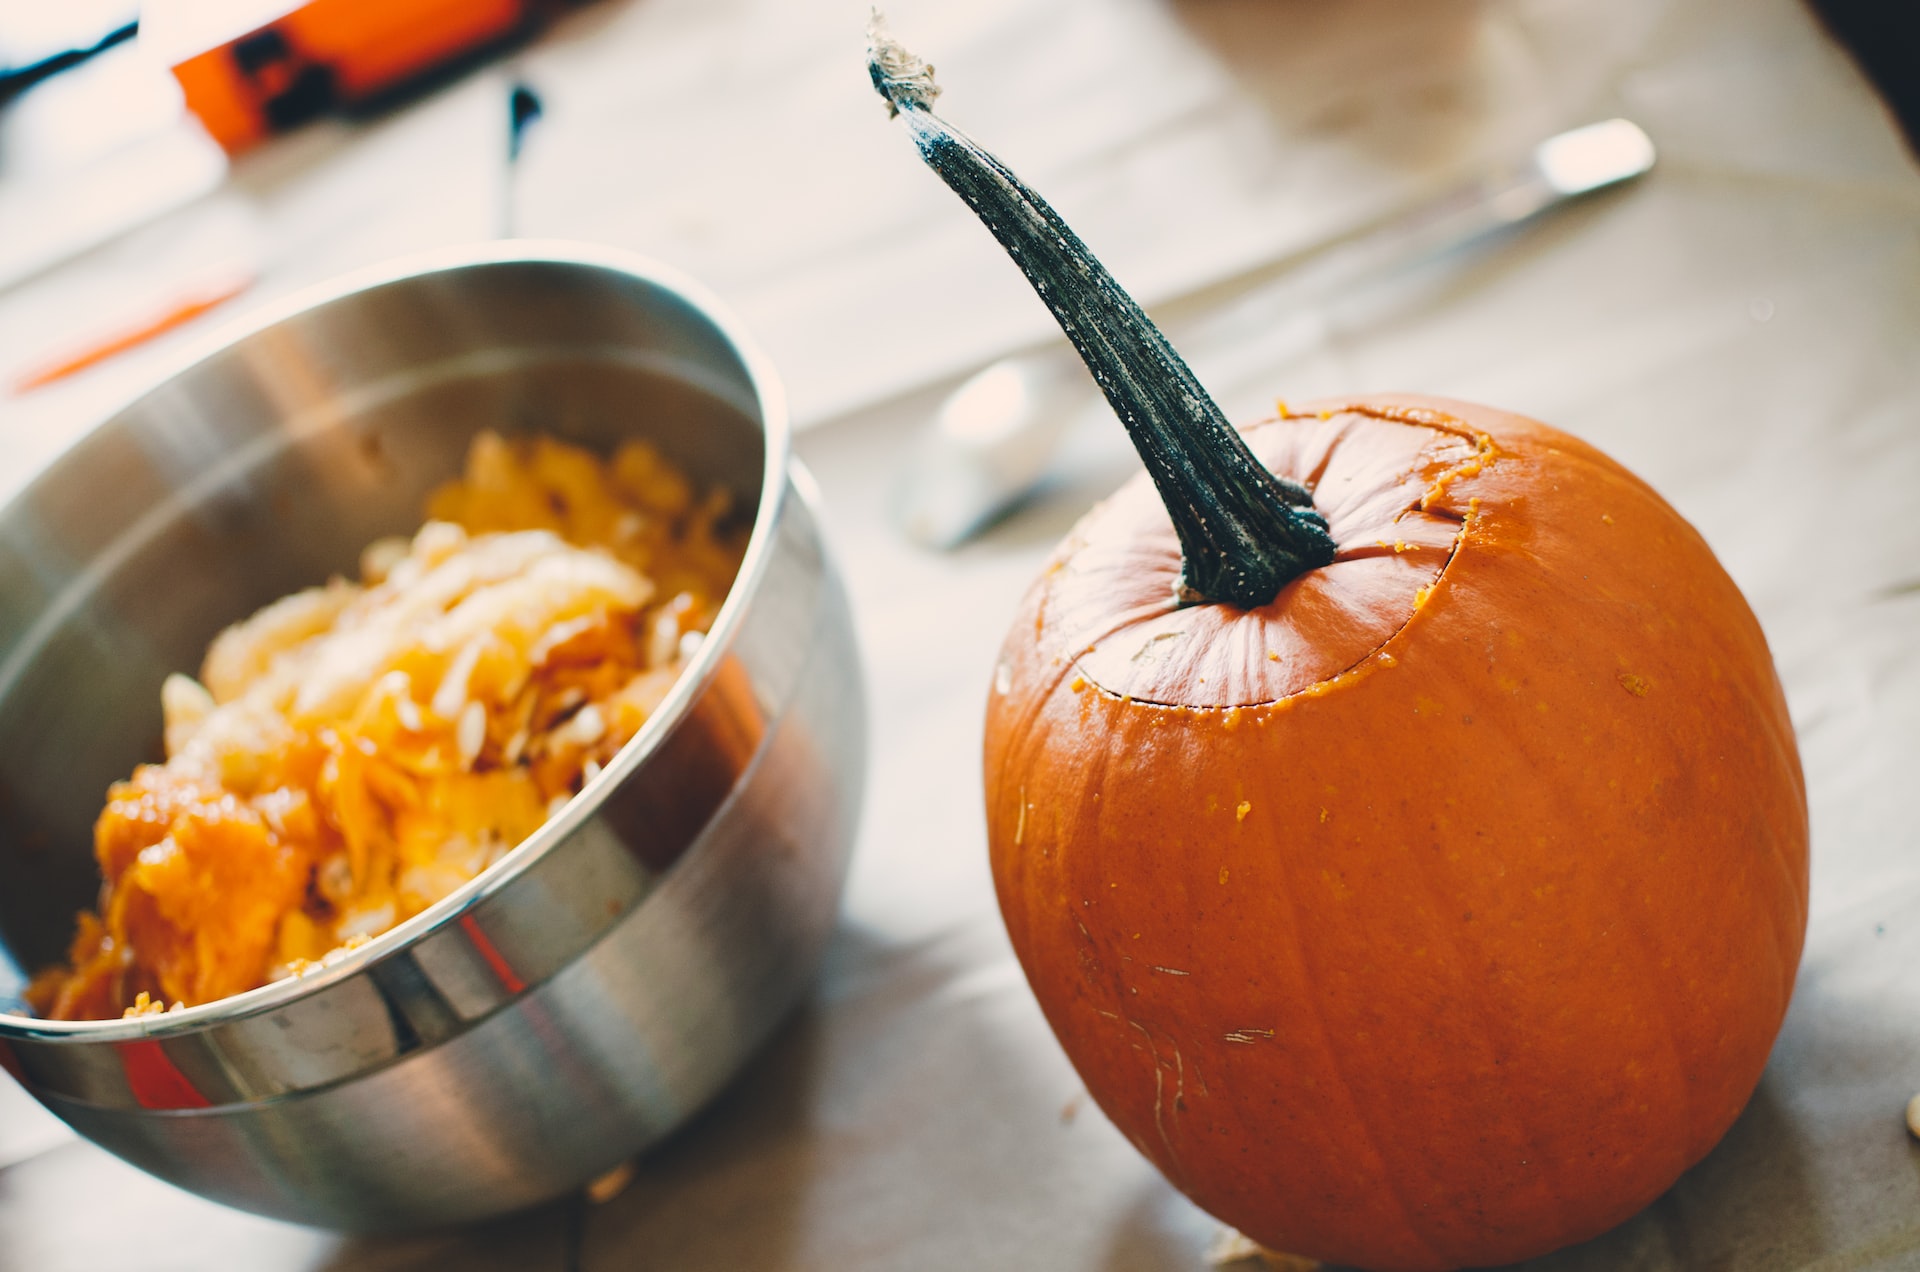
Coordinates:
(1394, 809)
(1441, 911)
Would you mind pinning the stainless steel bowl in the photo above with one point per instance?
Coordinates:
(595, 988)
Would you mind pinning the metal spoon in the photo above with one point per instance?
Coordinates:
(995, 436)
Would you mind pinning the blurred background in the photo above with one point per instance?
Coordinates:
(1188, 140)
(1738, 325)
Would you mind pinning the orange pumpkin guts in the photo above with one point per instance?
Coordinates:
(1441, 911)
(1394, 808)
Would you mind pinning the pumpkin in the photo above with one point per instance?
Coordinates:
(1394, 808)
(1441, 911)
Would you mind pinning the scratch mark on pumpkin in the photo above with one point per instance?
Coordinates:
(1172, 971)
(1249, 1035)
(1147, 649)
(1159, 1103)
(1160, 1095)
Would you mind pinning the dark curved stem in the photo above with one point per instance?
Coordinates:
(1245, 532)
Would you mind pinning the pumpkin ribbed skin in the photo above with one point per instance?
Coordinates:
(1440, 912)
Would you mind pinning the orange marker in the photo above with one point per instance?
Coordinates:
(181, 311)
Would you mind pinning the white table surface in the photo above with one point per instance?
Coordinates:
(1742, 328)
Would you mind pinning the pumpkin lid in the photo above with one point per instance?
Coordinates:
(1381, 476)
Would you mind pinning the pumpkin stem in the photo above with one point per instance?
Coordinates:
(1244, 532)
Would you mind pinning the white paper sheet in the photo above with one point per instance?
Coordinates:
(1741, 329)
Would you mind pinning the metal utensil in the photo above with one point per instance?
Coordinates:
(524, 109)
(596, 987)
(995, 436)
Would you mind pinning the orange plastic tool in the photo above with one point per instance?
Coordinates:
(331, 54)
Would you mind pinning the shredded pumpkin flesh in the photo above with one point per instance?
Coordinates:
(353, 753)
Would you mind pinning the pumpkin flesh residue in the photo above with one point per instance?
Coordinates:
(356, 752)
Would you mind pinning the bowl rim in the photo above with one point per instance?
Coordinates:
(775, 479)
